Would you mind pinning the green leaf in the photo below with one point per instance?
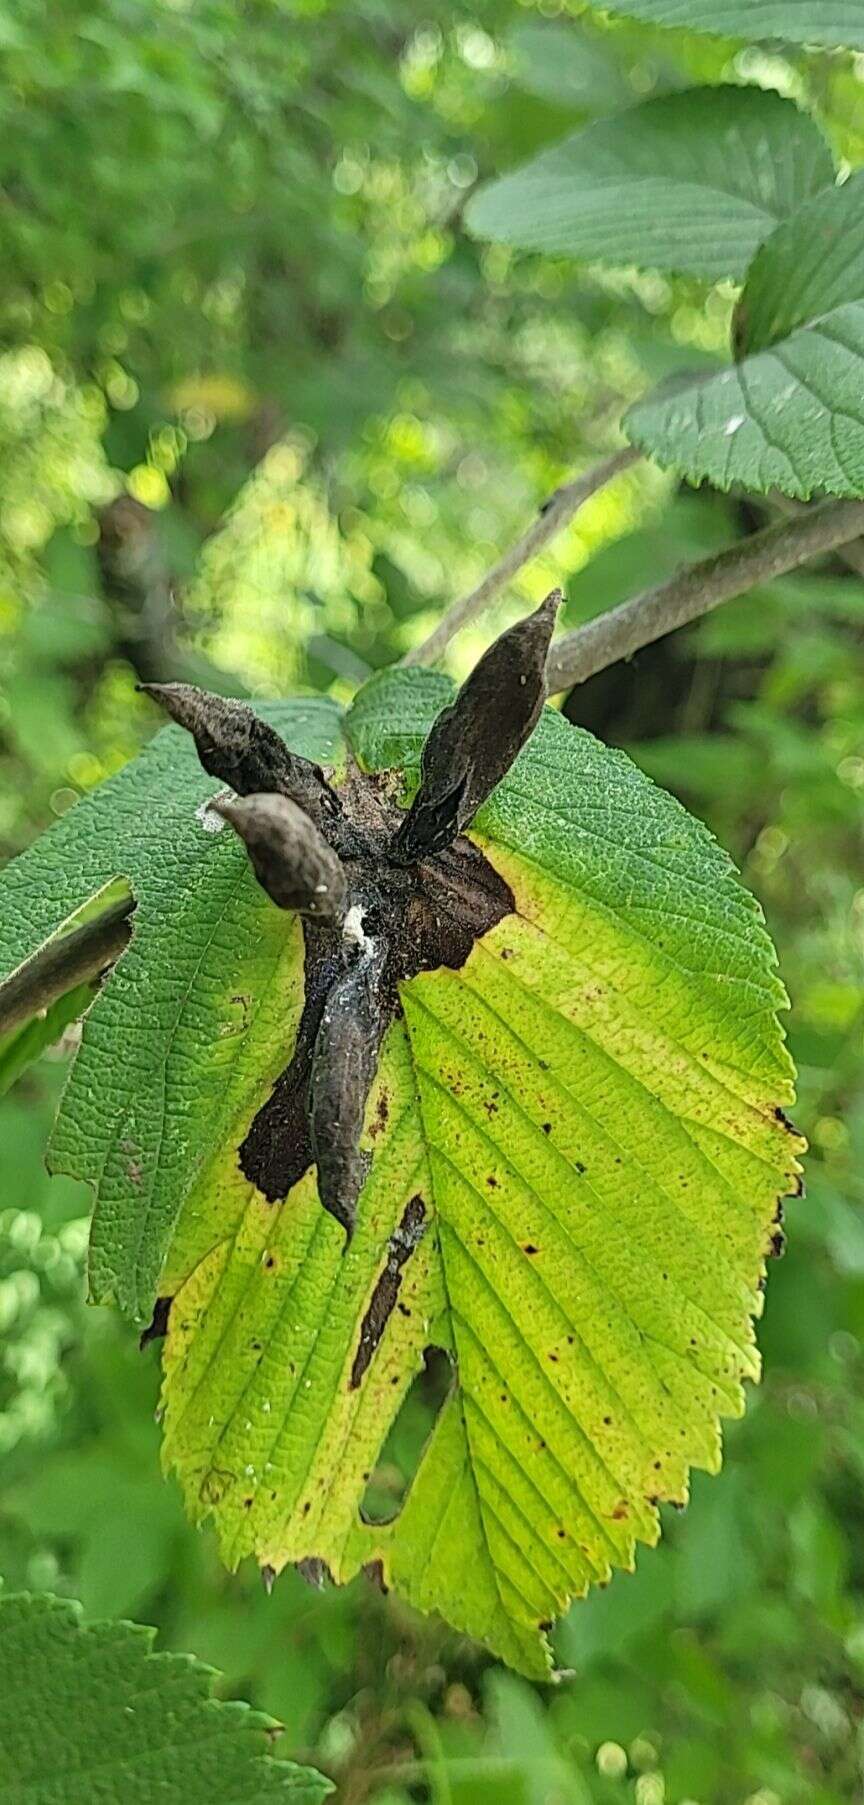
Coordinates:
(789, 415)
(687, 182)
(572, 68)
(836, 23)
(19, 1048)
(589, 1110)
(91, 1712)
(160, 1051)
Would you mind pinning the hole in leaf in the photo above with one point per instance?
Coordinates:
(403, 1449)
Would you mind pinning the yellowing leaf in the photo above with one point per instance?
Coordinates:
(575, 1153)
(577, 1150)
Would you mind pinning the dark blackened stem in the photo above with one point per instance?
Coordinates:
(552, 518)
(278, 1149)
(355, 1019)
(75, 958)
(234, 745)
(473, 743)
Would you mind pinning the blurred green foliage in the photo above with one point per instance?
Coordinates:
(264, 409)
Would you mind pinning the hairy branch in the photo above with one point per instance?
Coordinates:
(560, 508)
(73, 959)
(701, 587)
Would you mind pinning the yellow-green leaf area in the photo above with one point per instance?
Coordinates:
(586, 1121)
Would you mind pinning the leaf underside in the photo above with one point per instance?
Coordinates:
(691, 183)
(587, 1118)
(91, 1712)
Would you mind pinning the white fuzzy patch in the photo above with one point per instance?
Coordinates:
(352, 927)
(207, 816)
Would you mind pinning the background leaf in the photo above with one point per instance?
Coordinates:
(834, 23)
(789, 414)
(570, 67)
(95, 1705)
(691, 182)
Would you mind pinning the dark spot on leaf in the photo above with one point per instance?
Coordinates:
(621, 1511)
(158, 1324)
(402, 1244)
(777, 1244)
(382, 1115)
(528, 1247)
(546, 1127)
(413, 919)
(374, 1572)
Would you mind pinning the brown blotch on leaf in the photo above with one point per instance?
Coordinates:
(382, 1115)
(157, 1327)
(410, 920)
(377, 907)
(403, 1242)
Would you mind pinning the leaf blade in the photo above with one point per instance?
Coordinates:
(690, 182)
(788, 415)
(97, 1700)
(836, 24)
(600, 1199)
